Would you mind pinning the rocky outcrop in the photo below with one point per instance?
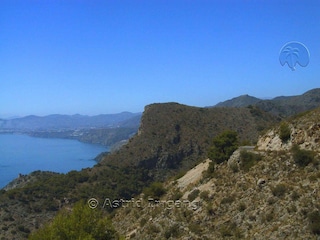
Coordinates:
(272, 142)
(304, 131)
(235, 157)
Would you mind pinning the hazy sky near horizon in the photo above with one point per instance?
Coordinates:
(93, 57)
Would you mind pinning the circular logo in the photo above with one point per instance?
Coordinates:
(93, 203)
(293, 53)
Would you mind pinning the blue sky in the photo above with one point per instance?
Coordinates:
(93, 57)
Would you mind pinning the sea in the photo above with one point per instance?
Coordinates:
(22, 154)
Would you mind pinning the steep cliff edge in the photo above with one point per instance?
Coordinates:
(174, 136)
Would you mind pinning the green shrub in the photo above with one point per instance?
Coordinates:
(180, 174)
(193, 195)
(229, 230)
(302, 157)
(143, 221)
(210, 210)
(248, 159)
(81, 223)
(228, 200)
(187, 215)
(313, 178)
(314, 222)
(225, 231)
(151, 229)
(209, 173)
(284, 132)
(223, 146)
(204, 195)
(155, 190)
(5, 228)
(245, 142)
(295, 196)
(279, 190)
(195, 228)
(242, 207)
(292, 208)
(172, 231)
(21, 228)
(269, 216)
(234, 167)
(177, 195)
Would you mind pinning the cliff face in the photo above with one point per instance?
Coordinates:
(174, 136)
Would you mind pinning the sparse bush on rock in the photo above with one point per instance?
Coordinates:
(204, 195)
(193, 195)
(284, 132)
(248, 159)
(176, 195)
(210, 171)
(234, 167)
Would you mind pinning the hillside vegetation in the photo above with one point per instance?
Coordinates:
(271, 192)
(172, 138)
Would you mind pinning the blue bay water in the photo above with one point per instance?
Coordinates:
(24, 154)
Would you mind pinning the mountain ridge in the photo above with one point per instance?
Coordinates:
(282, 106)
(240, 101)
(66, 122)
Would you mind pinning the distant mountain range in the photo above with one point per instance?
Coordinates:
(282, 106)
(106, 129)
(71, 122)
